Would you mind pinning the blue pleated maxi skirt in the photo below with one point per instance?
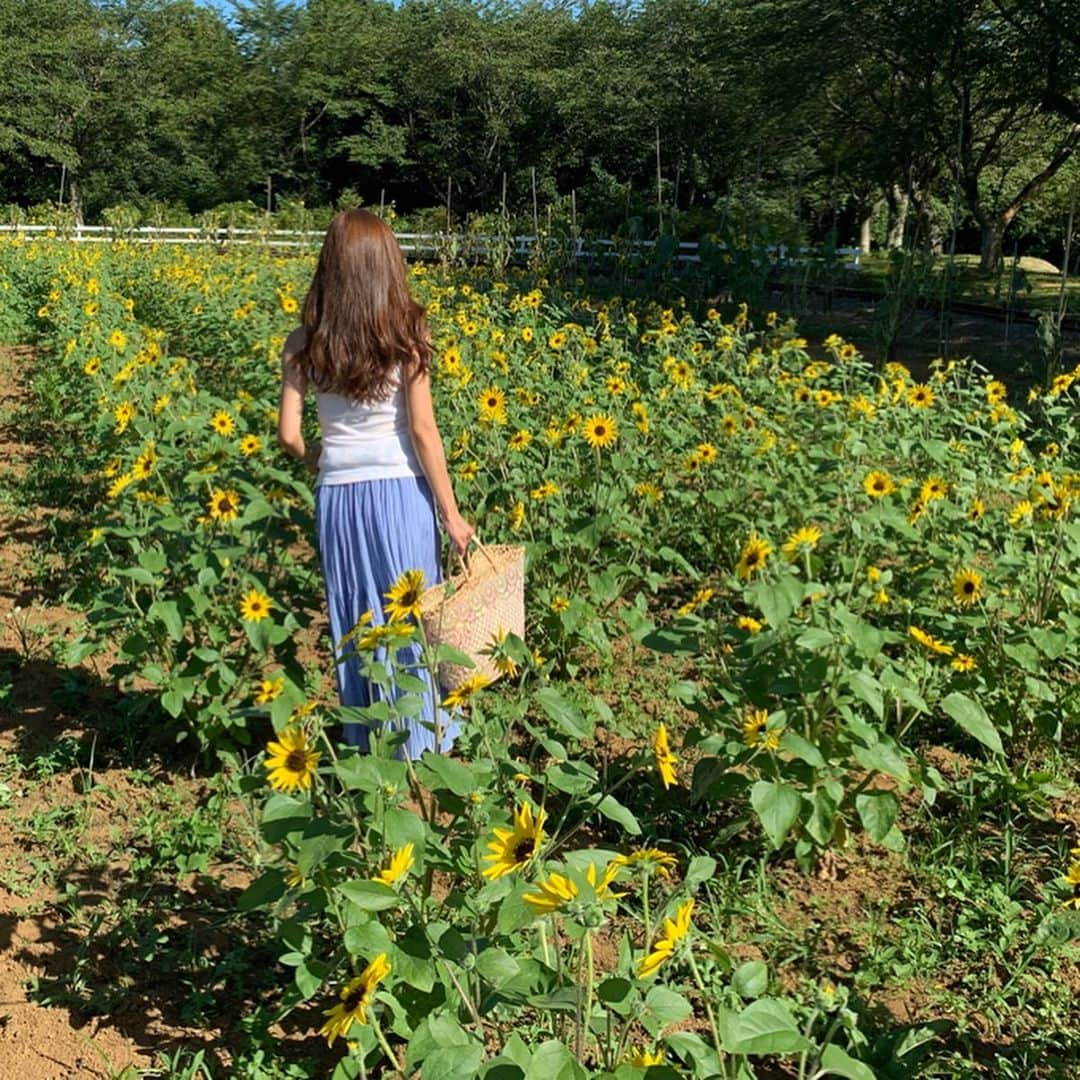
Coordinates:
(369, 533)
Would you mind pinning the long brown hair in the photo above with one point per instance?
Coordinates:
(361, 320)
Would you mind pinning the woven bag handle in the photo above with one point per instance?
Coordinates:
(483, 551)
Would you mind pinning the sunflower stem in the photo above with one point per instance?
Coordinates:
(381, 1039)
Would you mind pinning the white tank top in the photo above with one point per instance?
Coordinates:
(362, 441)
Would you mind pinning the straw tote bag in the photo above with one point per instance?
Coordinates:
(484, 598)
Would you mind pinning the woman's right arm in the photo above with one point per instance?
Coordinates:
(291, 406)
(427, 441)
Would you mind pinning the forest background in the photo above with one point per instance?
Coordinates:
(792, 119)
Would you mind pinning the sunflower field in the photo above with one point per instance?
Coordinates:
(789, 614)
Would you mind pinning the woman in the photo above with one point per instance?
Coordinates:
(365, 351)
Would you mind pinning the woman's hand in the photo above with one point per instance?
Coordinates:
(460, 532)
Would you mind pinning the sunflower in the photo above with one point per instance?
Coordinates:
(754, 724)
(511, 849)
(466, 691)
(753, 556)
(1072, 879)
(545, 490)
(250, 444)
(255, 606)
(651, 859)
(290, 305)
(270, 690)
(515, 516)
(642, 1059)
(401, 863)
(920, 396)
(933, 488)
(1021, 513)
(403, 598)
(526, 334)
(519, 440)
(118, 340)
(222, 423)
(930, 642)
(492, 405)
(977, 509)
(878, 484)
(144, 466)
(804, 539)
(962, 662)
(706, 452)
(748, 624)
(665, 759)
(93, 365)
(124, 413)
(698, 600)
(967, 586)
(674, 931)
(356, 996)
(551, 895)
(224, 505)
(291, 761)
(389, 634)
(600, 431)
(557, 340)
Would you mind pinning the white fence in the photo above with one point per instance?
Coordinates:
(421, 245)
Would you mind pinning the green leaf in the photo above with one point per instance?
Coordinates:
(867, 688)
(369, 895)
(614, 810)
(776, 601)
(453, 1062)
(777, 807)
(262, 891)
(877, 811)
(802, 749)
(838, 1062)
(552, 1061)
(701, 868)
(750, 980)
(167, 612)
(971, 716)
(153, 561)
(310, 976)
(444, 773)
(497, 966)
(667, 1006)
(766, 1026)
(566, 716)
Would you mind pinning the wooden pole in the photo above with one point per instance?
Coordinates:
(382, 202)
(536, 212)
(659, 184)
(448, 182)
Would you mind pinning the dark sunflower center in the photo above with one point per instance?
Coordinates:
(969, 586)
(751, 558)
(296, 761)
(600, 430)
(523, 850)
(354, 1000)
(879, 485)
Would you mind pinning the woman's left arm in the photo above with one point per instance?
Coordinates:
(291, 406)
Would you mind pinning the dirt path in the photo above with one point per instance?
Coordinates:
(36, 1042)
